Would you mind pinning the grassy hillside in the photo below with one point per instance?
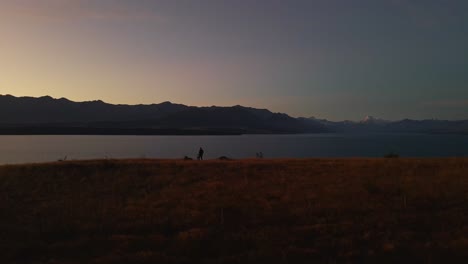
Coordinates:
(247, 211)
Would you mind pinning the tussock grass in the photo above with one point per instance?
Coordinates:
(236, 211)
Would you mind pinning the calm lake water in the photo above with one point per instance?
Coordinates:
(25, 149)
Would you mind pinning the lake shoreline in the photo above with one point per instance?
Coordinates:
(35, 149)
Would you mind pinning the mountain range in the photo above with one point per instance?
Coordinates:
(46, 115)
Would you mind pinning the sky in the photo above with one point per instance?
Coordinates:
(333, 59)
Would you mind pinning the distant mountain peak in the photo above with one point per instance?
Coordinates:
(373, 120)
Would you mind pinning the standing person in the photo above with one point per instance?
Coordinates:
(200, 154)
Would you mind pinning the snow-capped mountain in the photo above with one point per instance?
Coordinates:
(374, 121)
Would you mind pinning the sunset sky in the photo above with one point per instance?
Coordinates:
(335, 59)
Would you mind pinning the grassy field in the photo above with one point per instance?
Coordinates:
(241, 211)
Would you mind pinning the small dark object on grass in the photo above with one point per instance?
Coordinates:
(187, 158)
(224, 158)
(391, 155)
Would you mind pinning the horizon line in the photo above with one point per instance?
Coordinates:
(226, 106)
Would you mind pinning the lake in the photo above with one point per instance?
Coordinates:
(26, 149)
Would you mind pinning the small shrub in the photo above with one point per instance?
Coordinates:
(391, 155)
(371, 187)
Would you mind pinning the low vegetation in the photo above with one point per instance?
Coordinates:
(235, 211)
(391, 155)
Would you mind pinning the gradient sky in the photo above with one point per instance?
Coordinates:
(335, 59)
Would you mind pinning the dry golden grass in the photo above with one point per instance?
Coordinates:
(246, 211)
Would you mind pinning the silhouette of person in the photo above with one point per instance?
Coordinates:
(200, 154)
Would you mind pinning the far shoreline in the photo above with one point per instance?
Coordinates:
(110, 131)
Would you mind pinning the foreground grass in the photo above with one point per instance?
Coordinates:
(247, 211)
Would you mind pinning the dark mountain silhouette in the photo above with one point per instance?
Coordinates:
(371, 124)
(30, 110)
(429, 126)
(46, 115)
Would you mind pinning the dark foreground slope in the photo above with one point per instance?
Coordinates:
(250, 211)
